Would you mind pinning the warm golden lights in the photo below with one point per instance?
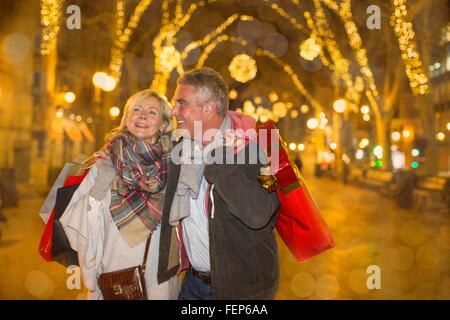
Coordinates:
(243, 68)
(418, 80)
(339, 105)
(51, 11)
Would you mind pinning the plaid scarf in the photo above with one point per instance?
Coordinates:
(138, 190)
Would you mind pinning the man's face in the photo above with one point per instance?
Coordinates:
(187, 108)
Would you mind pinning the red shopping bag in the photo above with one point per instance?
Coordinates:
(299, 223)
(45, 245)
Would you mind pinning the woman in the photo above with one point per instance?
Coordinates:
(119, 204)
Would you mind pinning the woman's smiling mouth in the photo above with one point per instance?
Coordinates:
(141, 126)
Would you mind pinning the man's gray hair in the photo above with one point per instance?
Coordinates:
(210, 85)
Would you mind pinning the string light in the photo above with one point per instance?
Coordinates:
(160, 79)
(343, 10)
(210, 47)
(282, 13)
(404, 31)
(220, 29)
(317, 34)
(167, 58)
(324, 34)
(179, 10)
(165, 12)
(341, 65)
(259, 52)
(294, 77)
(345, 13)
(50, 19)
(120, 16)
(122, 35)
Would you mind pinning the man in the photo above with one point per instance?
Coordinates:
(217, 221)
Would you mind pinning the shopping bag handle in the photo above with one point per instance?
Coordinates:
(88, 166)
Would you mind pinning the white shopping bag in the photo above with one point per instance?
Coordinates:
(74, 168)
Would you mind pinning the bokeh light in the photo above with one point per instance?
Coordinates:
(312, 123)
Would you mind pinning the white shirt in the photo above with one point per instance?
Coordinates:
(196, 231)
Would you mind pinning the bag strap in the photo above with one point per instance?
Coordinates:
(147, 246)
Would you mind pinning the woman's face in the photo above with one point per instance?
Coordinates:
(144, 119)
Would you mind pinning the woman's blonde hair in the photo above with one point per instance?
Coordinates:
(166, 109)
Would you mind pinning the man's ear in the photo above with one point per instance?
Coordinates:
(210, 107)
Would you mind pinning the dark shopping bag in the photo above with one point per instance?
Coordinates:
(61, 250)
(54, 245)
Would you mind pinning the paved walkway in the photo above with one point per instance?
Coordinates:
(412, 250)
(23, 273)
